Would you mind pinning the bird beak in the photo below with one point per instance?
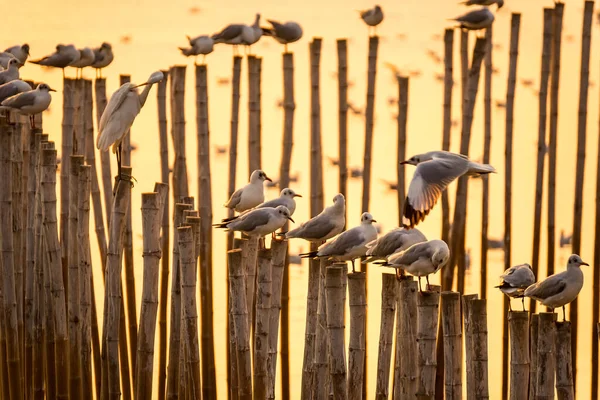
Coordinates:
(297, 195)
(51, 90)
(268, 179)
(584, 263)
(403, 162)
(290, 218)
(373, 220)
(140, 85)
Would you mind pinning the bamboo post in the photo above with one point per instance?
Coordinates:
(264, 292)
(152, 254)
(250, 257)
(164, 238)
(57, 289)
(79, 137)
(122, 201)
(175, 311)
(427, 327)
(518, 322)
(67, 149)
(85, 277)
(402, 118)
(177, 88)
(278, 257)
(73, 306)
(546, 357)
(467, 305)
(405, 367)
(188, 256)
(541, 153)
(369, 118)
(480, 347)
(334, 290)
(233, 135)
(183, 379)
(240, 319)
(458, 222)
(107, 180)
(312, 298)
(386, 334)
(254, 134)
(533, 340)
(342, 52)
(452, 328)
(357, 292)
(565, 389)
(320, 365)
(596, 284)
(316, 155)
(447, 122)
(487, 144)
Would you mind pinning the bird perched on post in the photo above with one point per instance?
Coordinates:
(86, 59)
(476, 20)
(286, 198)
(250, 195)
(199, 45)
(236, 34)
(327, 224)
(11, 73)
(259, 222)
(61, 58)
(120, 112)
(372, 17)
(435, 171)
(20, 52)
(515, 280)
(31, 102)
(285, 33)
(392, 242)
(499, 3)
(103, 56)
(12, 88)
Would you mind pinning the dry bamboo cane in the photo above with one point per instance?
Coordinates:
(57, 289)
(175, 312)
(312, 298)
(584, 77)
(596, 285)
(184, 379)
(402, 119)
(85, 278)
(519, 354)
(254, 151)
(112, 313)
(487, 144)
(78, 118)
(107, 180)
(73, 301)
(316, 155)
(369, 121)
(342, 52)
(164, 239)
(427, 327)
(357, 292)
(405, 367)
(447, 124)
(7, 137)
(264, 292)
(386, 335)
(452, 328)
(4, 379)
(249, 257)
(206, 216)
(67, 149)
(467, 305)
(240, 319)
(194, 222)
(542, 148)
(320, 352)
(278, 257)
(565, 389)
(334, 289)
(533, 341)
(188, 256)
(546, 356)
(148, 312)
(480, 347)
(177, 89)
(515, 25)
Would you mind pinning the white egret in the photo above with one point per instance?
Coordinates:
(31, 102)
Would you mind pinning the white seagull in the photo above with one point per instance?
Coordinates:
(285, 33)
(20, 52)
(250, 195)
(236, 34)
(103, 56)
(515, 280)
(475, 20)
(61, 58)
(327, 224)
(199, 45)
(86, 59)
(392, 242)
(259, 222)
(286, 198)
(31, 102)
(11, 73)
(499, 3)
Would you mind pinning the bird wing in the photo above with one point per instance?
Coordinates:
(313, 229)
(412, 254)
(251, 221)
(394, 240)
(229, 32)
(115, 102)
(547, 288)
(20, 100)
(344, 243)
(12, 88)
(474, 17)
(272, 203)
(519, 276)
(235, 199)
(58, 60)
(430, 179)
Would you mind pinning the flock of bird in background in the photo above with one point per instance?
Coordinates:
(404, 248)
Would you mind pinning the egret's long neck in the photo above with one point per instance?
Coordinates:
(145, 93)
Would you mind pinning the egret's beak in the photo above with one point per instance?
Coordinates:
(297, 195)
(403, 162)
(141, 84)
(584, 263)
(290, 218)
(51, 90)
(268, 179)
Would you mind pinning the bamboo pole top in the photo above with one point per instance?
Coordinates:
(76, 162)
(358, 275)
(518, 315)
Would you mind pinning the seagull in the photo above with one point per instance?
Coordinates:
(250, 195)
(252, 34)
(259, 222)
(499, 3)
(12, 88)
(435, 171)
(61, 58)
(372, 17)
(285, 33)
(559, 289)
(4, 59)
(349, 245)
(420, 259)
(19, 52)
(103, 56)
(392, 242)
(120, 112)
(475, 20)
(286, 198)
(86, 59)
(199, 45)
(11, 73)
(515, 280)
(31, 102)
(329, 223)
(236, 34)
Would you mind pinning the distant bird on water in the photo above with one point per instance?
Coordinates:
(251, 195)
(11, 73)
(199, 45)
(61, 58)
(435, 171)
(103, 56)
(20, 52)
(31, 102)
(475, 20)
(285, 33)
(515, 280)
(120, 112)
(372, 17)
(86, 59)
(499, 3)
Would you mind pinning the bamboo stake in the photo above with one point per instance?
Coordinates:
(467, 305)
(386, 334)
(85, 278)
(177, 88)
(565, 389)
(240, 319)
(480, 347)
(278, 257)
(264, 292)
(209, 384)
(405, 367)
(316, 155)
(447, 124)
(357, 292)
(107, 180)
(254, 134)
(533, 341)
(342, 52)
(67, 149)
(487, 144)
(427, 326)
(57, 289)
(73, 302)
(541, 153)
(519, 354)
(78, 118)
(369, 118)
(402, 118)
(249, 256)
(320, 375)
(312, 298)
(335, 327)
(596, 284)
(4, 379)
(546, 360)
(164, 238)
(452, 328)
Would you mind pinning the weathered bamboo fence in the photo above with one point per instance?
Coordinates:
(312, 298)
(264, 292)
(518, 322)
(320, 376)
(427, 327)
(386, 335)
(405, 365)
(334, 290)
(357, 293)
(533, 349)
(180, 175)
(278, 264)
(546, 356)
(107, 179)
(565, 388)
(452, 330)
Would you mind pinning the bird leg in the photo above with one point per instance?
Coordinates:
(420, 290)
(353, 270)
(509, 305)
(203, 59)
(286, 50)
(398, 273)
(564, 314)
(523, 301)
(32, 121)
(427, 279)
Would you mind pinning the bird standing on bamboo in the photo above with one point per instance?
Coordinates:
(120, 112)
(372, 18)
(515, 280)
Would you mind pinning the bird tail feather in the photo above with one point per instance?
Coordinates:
(186, 51)
(311, 254)
(476, 168)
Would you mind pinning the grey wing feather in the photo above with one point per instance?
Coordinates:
(346, 241)
(519, 277)
(412, 254)
(229, 32)
(250, 221)
(271, 203)
(546, 288)
(315, 228)
(392, 241)
(55, 60)
(474, 17)
(20, 100)
(235, 199)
